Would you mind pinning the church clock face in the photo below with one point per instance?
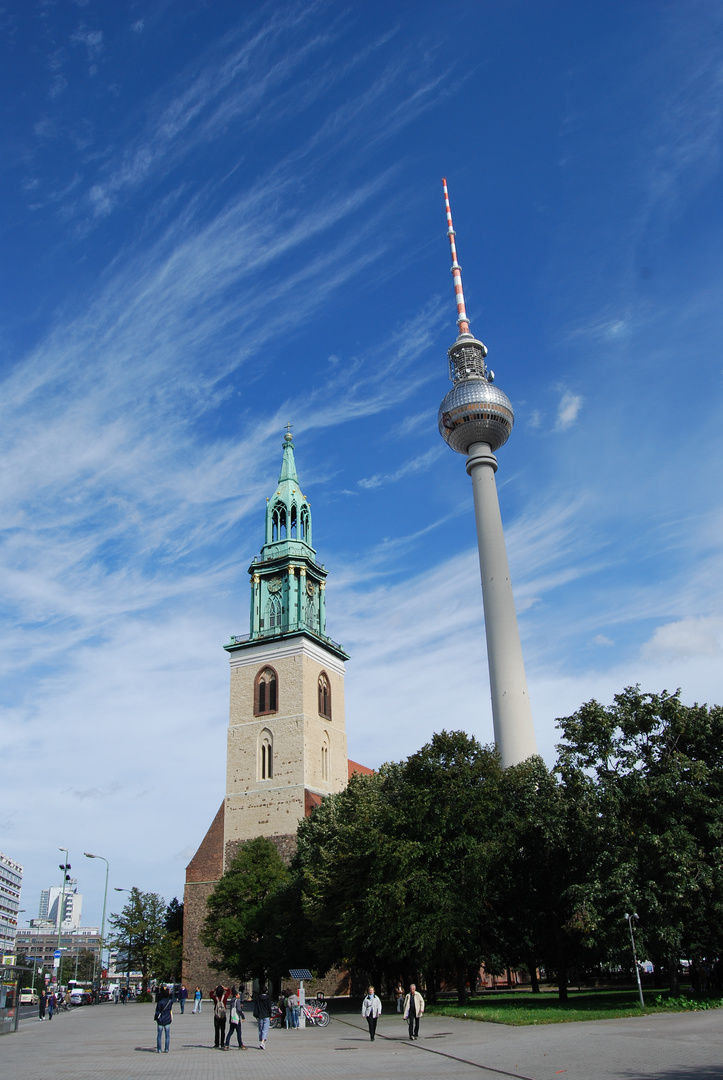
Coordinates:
(275, 585)
(310, 589)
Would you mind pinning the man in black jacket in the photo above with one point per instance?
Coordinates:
(163, 1017)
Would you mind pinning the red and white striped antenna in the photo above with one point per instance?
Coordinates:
(462, 320)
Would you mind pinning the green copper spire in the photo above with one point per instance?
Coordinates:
(287, 584)
(288, 516)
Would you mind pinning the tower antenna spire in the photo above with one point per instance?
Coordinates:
(462, 320)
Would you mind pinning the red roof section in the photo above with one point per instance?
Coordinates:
(354, 766)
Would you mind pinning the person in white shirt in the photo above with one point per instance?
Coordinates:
(413, 1011)
(371, 1009)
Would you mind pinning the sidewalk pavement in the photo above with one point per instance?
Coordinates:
(111, 1042)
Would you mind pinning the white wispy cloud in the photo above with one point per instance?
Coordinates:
(568, 410)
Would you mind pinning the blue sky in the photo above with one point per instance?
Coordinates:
(219, 218)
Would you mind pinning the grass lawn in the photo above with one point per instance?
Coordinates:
(527, 1008)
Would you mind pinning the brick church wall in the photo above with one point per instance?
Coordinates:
(202, 874)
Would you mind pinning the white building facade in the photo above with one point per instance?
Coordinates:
(11, 879)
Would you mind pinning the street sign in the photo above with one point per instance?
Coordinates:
(58, 953)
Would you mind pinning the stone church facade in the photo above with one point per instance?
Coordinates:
(286, 743)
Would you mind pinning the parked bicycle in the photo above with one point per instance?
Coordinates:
(315, 1015)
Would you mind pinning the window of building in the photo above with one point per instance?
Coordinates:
(266, 692)
(278, 522)
(275, 612)
(324, 696)
(325, 767)
(266, 755)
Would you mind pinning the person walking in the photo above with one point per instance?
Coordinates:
(262, 1012)
(399, 994)
(52, 1003)
(292, 1010)
(371, 1011)
(235, 1014)
(197, 999)
(42, 1004)
(219, 997)
(163, 1017)
(413, 1011)
(182, 995)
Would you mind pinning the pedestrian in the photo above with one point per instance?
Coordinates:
(124, 994)
(262, 1012)
(163, 1017)
(235, 1016)
(182, 995)
(292, 1010)
(413, 1010)
(219, 997)
(399, 994)
(197, 999)
(42, 1004)
(52, 1003)
(116, 995)
(283, 996)
(371, 1011)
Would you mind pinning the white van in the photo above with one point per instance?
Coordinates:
(28, 996)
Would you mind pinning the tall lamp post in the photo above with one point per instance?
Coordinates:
(635, 959)
(102, 922)
(65, 867)
(128, 958)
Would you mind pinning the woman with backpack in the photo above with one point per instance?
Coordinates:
(219, 997)
(235, 1016)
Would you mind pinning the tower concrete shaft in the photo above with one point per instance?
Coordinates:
(511, 712)
(476, 419)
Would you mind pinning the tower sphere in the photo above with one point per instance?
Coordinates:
(474, 410)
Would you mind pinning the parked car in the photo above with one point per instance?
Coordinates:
(28, 996)
(80, 997)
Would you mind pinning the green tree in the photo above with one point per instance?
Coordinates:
(249, 918)
(546, 870)
(139, 931)
(393, 868)
(169, 958)
(658, 768)
(78, 965)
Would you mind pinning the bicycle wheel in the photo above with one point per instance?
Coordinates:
(323, 1018)
(276, 1022)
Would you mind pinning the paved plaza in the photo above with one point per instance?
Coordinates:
(118, 1043)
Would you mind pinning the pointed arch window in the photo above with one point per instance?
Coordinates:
(325, 766)
(278, 522)
(274, 613)
(305, 524)
(310, 616)
(324, 696)
(266, 755)
(266, 692)
(292, 528)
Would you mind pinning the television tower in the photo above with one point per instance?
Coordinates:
(476, 419)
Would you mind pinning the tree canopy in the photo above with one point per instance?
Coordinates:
(248, 913)
(443, 861)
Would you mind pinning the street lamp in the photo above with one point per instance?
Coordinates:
(128, 958)
(65, 867)
(102, 922)
(635, 959)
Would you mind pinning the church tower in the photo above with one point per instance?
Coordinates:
(286, 742)
(286, 736)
